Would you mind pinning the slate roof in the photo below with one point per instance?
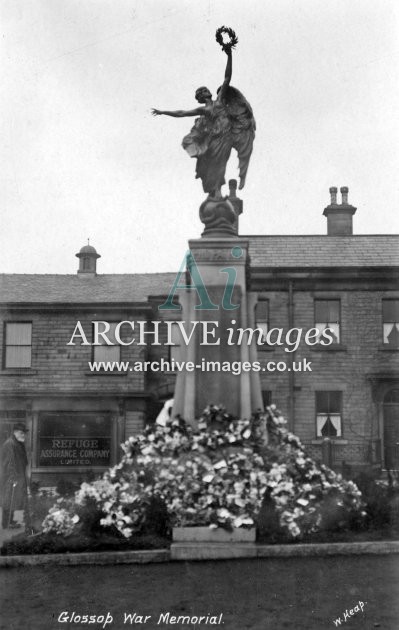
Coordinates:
(366, 250)
(265, 251)
(39, 288)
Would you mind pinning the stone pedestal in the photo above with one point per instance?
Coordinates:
(204, 534)
(203, 543)
(223, 266)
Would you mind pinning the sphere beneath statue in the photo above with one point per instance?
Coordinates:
(219, 218)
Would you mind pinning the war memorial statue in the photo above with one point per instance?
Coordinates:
(221, 125)
(224, 124)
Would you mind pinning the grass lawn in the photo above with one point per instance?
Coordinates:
(266, 594)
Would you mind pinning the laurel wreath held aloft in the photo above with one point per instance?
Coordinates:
(233, 38)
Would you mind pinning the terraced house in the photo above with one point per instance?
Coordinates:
(78, 416)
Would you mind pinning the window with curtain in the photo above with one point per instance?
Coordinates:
(390, 319)
(328, 315)
(18, 345)
(329, 414)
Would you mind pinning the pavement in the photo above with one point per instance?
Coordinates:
(6, 534)
(356, 592)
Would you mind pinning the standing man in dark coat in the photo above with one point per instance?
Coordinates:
(14, 462)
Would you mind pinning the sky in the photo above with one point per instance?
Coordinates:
(82, 157)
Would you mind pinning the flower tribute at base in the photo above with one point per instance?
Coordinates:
(219, 474)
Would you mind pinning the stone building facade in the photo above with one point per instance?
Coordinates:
(77, 418)
(351, 283)
(349, 400)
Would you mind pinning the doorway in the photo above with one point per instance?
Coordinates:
(391, 430)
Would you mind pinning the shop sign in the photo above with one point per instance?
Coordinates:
(74, 451)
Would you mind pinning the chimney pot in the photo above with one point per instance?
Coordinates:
(333, 193)
(344, 193)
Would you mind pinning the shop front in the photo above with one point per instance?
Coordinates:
(69, 438)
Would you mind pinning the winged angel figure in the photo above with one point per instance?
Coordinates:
(222, 125)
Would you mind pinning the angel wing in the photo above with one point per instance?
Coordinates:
(239, 111)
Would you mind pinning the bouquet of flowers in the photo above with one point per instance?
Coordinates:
(217, 475)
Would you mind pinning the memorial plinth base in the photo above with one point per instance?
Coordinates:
(223, 266)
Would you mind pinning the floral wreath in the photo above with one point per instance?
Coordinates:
(233, 38)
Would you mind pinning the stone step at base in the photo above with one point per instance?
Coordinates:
(212, 551)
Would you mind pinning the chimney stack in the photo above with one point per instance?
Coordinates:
(339, 216)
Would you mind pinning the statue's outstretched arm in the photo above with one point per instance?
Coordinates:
(227, 75)
(179, 113)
